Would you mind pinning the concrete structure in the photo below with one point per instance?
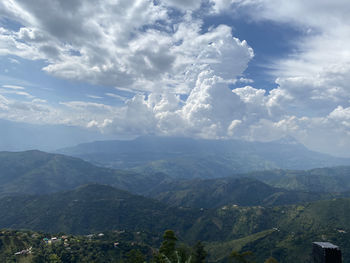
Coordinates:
(325, 252)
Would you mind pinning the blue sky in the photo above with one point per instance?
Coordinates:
(242, 69)
(268, 39)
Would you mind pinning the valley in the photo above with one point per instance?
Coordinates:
(275, 212)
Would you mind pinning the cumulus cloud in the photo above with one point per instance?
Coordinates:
(312, 95)
(136, 46)
(184, 5)
(178, 72)
(314, 77)
(211, 110)
(132, 44)
(34, 111)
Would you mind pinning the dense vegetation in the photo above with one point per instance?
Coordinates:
(39, 247)
(55, 193)
(36, 172)
(117, 246)
(334, 179)
(91, 208)
(214, 193)
(283, 231)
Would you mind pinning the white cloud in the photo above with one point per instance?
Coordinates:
(94, 96)
(87, 106)
(251, 95)
(3, 103)
(211, 106)
(184, 5)
(314, 78)
(178, 72)
(34, 111)
(134, 44)
(13, 87)
(221, 5)
(14, 61)
(17, 90)
(312, 98)
(36, 100)
(116, 96)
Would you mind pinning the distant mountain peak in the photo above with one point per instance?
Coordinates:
(290, 140)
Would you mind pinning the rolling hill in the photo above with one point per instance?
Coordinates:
(328, 179)
(215, 193)
(285, 232)
(90, 208)
(36, 172)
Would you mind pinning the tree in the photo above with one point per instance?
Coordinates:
(183, 253)
(54, 259)
(244, 257)
(198, 254)
(168, 245)
(135, 256)
(271, 260)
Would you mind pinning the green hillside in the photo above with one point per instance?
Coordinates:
(35, 247)
(226, 213)
(90, 208)
(35, 172)
(216, 193)
(331, 179)
(285, 232)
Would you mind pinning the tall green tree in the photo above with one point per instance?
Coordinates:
(168, 245)
(135, 256)
(199, 254)
(244, 257)
(183, 253)
(271, 260)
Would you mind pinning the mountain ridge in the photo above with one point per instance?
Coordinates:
(37, 172)
(186, 158)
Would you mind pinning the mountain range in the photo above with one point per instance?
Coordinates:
(199, 158)
(215, 193)
(57, 193)
(285, 232)
(89, 208)
(36, 172)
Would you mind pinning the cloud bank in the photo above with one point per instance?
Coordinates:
(180, 72)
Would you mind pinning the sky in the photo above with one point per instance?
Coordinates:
(255, 70)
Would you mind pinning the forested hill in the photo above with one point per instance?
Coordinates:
(328, 179)
(90, 208)
(199, 158)
(284, 232)
(28, 180)
(214, 193)
(36, 172)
